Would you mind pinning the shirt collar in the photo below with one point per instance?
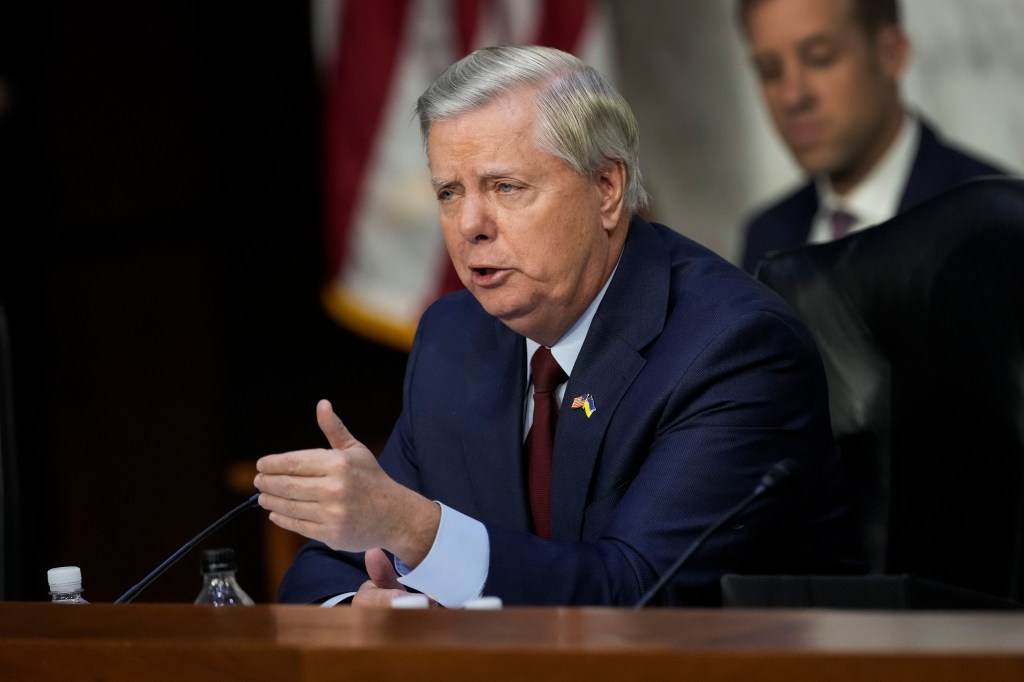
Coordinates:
(567, 348)
(877, 197)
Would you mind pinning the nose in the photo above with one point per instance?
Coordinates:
(476, 219)
(795, 89)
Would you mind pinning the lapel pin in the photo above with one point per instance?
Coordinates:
(586, 402)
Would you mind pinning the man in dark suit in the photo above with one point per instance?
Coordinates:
(682, 381)
(829, 72)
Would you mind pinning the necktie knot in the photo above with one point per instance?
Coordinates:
(841, 222)
(546, 372)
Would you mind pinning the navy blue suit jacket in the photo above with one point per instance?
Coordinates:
(937, 166)
(702, 379)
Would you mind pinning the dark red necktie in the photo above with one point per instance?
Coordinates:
(546, 375)
(841, 222)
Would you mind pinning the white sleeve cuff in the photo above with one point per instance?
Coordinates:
(455, 568)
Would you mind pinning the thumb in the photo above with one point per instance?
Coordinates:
(332, 427)
(381, 570)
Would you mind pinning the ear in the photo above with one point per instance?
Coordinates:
(611, 186)
(893, 51)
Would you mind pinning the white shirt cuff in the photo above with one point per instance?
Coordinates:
(455, 568)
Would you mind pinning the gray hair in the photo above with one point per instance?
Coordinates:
(582, 119)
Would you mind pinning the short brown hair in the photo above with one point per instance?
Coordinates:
(870, 14)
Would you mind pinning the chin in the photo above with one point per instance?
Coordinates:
(822, 159)
(495, 307)
(818, 164)
(512, 317)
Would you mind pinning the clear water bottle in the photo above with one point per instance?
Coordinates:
(65, 585)
(220, 588)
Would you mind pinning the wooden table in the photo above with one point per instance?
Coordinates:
(143, 642)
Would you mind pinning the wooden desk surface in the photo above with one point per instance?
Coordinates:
(40, 641)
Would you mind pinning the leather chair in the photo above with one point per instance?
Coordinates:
(920, 323)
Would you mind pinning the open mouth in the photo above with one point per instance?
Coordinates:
(490, 277)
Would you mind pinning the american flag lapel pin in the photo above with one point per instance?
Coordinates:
(586, 402)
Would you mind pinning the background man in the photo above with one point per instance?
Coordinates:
(829, 73)
(670, 380)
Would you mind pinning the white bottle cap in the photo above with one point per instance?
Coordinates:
(64, 578)
(483, 603)
(411, 601)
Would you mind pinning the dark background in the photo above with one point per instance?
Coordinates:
(160, 264)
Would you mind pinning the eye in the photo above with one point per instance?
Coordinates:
(445, 195)
(821, 58)
(767, 70)
(820, 53)
(506, 187)
(768, 75)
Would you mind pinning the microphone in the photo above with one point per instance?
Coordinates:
(170, 561)
(776, 478)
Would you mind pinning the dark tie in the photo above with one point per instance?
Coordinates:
(546, 376)
(841, 223)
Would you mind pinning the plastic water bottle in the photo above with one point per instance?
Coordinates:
(65, 585)
(220, 588)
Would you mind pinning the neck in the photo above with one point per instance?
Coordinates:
(848, 178)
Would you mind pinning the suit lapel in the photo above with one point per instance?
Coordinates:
(797, 226)
(928, 173)
(605, 373)
(492, 432)
(631, 314)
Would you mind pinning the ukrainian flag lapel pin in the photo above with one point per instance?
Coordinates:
(586, 402)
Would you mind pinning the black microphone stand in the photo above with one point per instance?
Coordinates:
(170, 561)
(779, 474)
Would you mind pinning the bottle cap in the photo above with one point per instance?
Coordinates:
(64, 578)
(219, 560)
(483, 603)
(410, 601)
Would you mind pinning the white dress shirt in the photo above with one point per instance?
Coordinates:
(877, 198)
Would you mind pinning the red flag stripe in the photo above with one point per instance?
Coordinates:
(467, 19)
(562, 24)
(370, 36)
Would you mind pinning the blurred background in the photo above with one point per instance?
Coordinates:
(214, 213)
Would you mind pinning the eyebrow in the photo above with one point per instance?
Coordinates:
(488, 176)
(802, 44)
(816, 40)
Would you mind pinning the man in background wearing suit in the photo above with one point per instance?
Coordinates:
(681, 381)
(829, 72)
